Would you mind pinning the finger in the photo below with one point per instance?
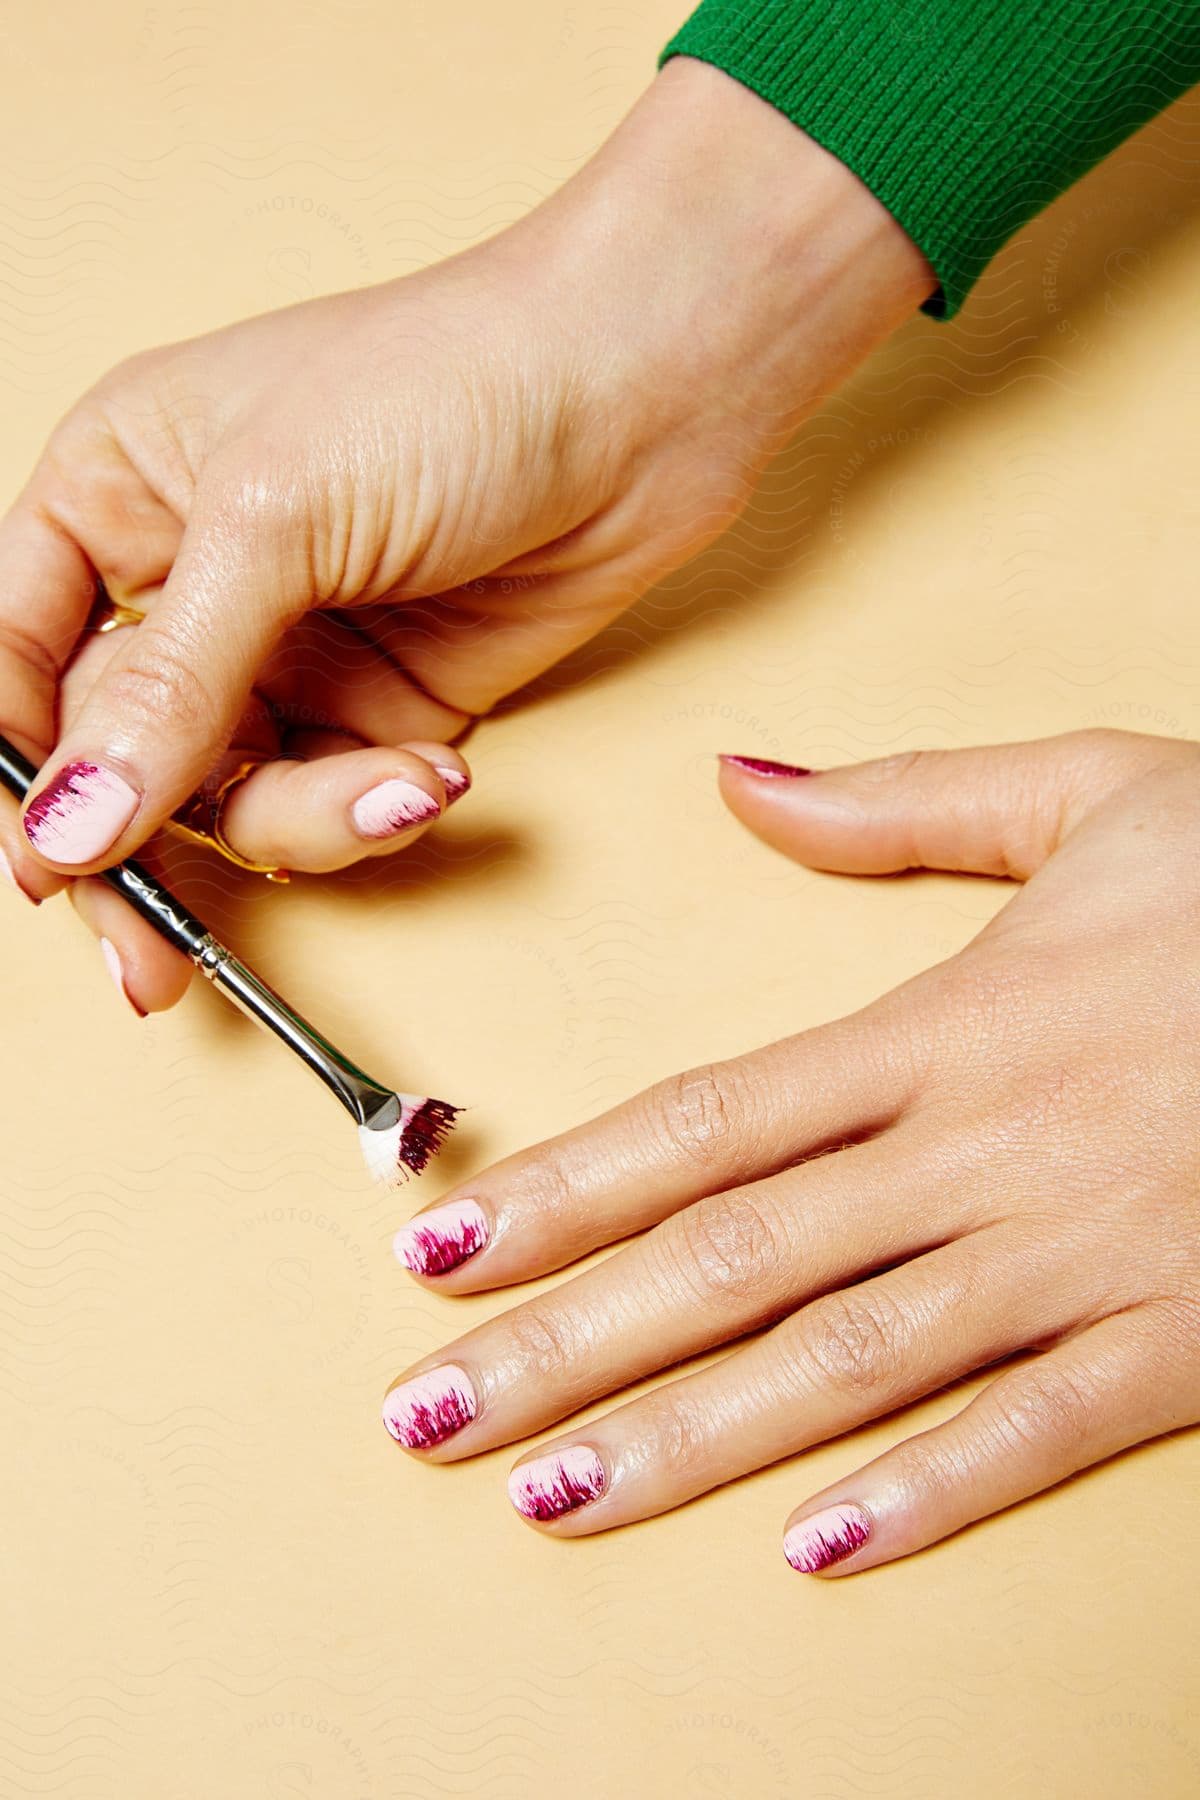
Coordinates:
(728, 1265)
(46, 590)
(1130, 1377)
(450, 764)
(148, 974)
(336, 810)
(849, 1357)
(9, 874)
(100, 498)
(695, 1135)
(1000, 810)
(344, 677)
(166, 705)
(471, 645)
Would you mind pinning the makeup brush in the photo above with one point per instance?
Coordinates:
(398, 1132)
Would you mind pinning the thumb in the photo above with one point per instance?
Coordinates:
(1000, 810)
(169, 700)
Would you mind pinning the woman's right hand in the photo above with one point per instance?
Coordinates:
(355, 524)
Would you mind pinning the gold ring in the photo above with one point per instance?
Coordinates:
(115, 615)
(108, 614)
(199, 818)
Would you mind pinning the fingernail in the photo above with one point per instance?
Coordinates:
(391, 807)
(454, 782)
(557, 1484)
(430, 1408)
(84, 810)
(10, 875)
(439, 1240)
(758, 765)
(112, 962)
(827, 1537)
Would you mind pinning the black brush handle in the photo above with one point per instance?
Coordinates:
(366, 1100)
(156, 904)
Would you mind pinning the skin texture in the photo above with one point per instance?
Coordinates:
(1001, 1159)
(357, 523)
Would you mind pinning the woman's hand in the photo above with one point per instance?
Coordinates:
(357, 523)
(1001, 1156)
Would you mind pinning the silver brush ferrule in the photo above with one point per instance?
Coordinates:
(365, 1100)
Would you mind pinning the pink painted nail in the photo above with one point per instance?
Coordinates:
(83, 810)
(10, 875)
(439, 1240)
(431, 1407)
(826, 1537)
(454, 781)
(758, 765)
(392, 807)
(112, 962)
(557, 1484)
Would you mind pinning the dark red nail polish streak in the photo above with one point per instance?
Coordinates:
(554, 1485)
(563, 1495)
(425, 1131)
(443, 1239)
(61, 795)
(430, 1408)
(454, 781)
(828, 1539)
(758, 765)
(438, 1255)
(432, 1421)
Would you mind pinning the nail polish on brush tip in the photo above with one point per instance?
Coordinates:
(759, 765)
(559, 1483)
(431, 1407)
(826, 1537)
(439, 1240)
(391, 807)
(80, 814)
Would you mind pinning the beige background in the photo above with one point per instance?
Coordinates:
(219, 1576)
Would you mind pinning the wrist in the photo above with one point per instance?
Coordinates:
(742, 252)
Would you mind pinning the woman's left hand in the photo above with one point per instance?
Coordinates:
(1003, 1155)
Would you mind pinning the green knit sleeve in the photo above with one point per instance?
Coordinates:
(964, 117)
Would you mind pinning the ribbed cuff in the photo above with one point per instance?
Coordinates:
(963, 117)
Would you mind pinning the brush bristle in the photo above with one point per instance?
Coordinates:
(405, 1148)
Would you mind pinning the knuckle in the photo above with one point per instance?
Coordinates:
(126, 373)
(545, 1339)
(79, 433)
(157, 682)
(1099, 740)
(897, 767)
(679, 1431)
(729, 1248)
(856, 1341)
(699, 1111)
(1049, 1403)
(934, 1468)
(546, 1189)
(1111, 749)
(256, 501)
